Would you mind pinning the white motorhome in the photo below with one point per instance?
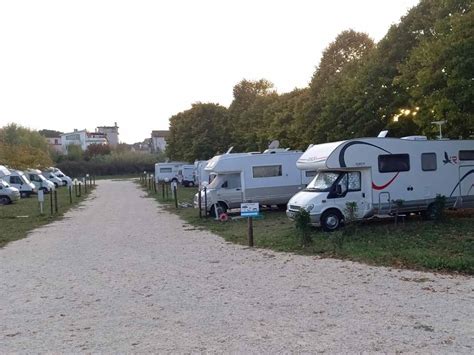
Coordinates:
(40, 182)
(381, 175)
(48, 174)
(18, 179)
(270, 178)
(8, 194)
(202, 175)
(167, 171)
(187, 175)
(66, 180)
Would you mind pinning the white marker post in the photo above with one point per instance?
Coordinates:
(41, 200)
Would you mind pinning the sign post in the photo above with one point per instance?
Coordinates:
(41, 201)
(250, 210)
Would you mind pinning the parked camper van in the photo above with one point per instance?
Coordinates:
(167, 171)
(378, 173)
(8, 194)
(40, 182)
(270, 178)
(66, 180)
(187, 175)
(202, 175)
(19, 180)
(53, 178)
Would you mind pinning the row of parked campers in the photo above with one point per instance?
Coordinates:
(376, 176)
(186, 174)
(15, 183)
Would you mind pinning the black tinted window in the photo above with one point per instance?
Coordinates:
(391, 163)
(466, 155)
(428, 161)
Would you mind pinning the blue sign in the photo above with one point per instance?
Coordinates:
(249, 209)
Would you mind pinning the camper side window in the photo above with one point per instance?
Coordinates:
(354, 181)
(166, 170)
(466, 155)
(232, 181)
(428, 162)
(267, 171)
(311, 173)
(392, 163)
(15, 180)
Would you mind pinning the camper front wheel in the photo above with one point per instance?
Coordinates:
(331, 220)
(4, 200)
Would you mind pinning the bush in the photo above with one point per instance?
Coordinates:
(113, 164)
(302, 224)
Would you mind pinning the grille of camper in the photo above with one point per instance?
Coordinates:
(294, 207)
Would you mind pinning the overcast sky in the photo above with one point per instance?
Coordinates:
(81, 64)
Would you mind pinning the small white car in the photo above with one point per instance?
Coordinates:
(8, 194)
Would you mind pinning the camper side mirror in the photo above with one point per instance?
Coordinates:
(338, 189)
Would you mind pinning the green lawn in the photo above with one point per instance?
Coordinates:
(416, 244)
(17, 219)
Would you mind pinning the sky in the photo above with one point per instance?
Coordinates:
(82, 64)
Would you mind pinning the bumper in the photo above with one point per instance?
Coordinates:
(315, 219)
(14, 197)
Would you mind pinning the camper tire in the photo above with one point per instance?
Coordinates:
(4, 200)
(331, 220)
(221, 208)
(429, 214)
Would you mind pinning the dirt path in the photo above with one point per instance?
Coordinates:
(121, 275)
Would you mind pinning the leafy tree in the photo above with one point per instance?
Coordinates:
(23, 148)
(96, 149)
(74, 152)
(198, 133)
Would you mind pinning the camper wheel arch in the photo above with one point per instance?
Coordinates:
(4, 200)
(331, 219)
(221, 206)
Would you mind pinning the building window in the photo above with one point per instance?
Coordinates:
(392, 163)
(266, 171)
(428, 162)
(466, 155)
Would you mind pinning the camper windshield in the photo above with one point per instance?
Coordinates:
(226, 181)
(4, 183)
(323, 181)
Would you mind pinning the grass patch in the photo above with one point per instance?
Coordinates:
(416, 244)
(19, 218)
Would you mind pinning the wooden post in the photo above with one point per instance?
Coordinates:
(163, 190)
(175, 193)
(56, 201)
(205, 201)
(70, 193)
(51, 201)
(80, 189)
(199, 202)
(250, 231)
(85, 185)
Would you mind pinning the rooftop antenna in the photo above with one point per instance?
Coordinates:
(383, 134)
(274, 144)
(439, 123)
(229, 150)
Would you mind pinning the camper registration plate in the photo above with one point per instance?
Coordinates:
(249, 209)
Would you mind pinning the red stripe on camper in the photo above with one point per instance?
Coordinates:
(381, 187)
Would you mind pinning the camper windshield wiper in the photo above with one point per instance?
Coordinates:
(313, 189)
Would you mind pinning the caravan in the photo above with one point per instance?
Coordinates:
(269, 178)
(40, 182)
(167, 171)
(187, 175)
(18, 179)
(384, 175)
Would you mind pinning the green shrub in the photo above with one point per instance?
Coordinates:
(302, 224)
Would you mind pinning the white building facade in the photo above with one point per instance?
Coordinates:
(82, 139)
(158, 140)
(111, 133)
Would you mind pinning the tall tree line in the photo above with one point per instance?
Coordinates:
(421, 71)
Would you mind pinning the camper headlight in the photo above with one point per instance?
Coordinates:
(309, 208)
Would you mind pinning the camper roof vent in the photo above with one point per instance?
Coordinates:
(275, 150)
(383, 134)
(274, 144)
(415, 138)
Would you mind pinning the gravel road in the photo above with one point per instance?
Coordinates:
(119, 274)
